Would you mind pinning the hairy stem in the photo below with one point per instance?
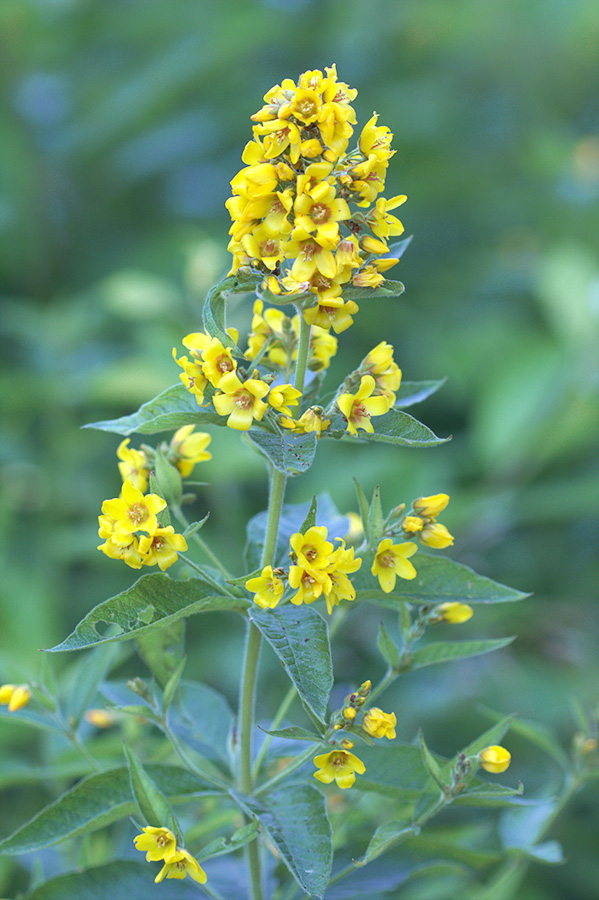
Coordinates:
(302, 352)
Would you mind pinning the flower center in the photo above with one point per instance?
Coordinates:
(224, 364)
(387, 560)
(137, 513)
(243, 400)
(311, 553)
(268, 248)
(320, 212)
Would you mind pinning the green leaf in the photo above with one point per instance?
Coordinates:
(294, 733)
(388, 648)
(300, 638)
(386, 836)
(95, 802)
(374, 522)
(430, 763)
(169, 479)
(84, 680)
(152, 602)
(395, 427)
(444, 651)
(289, 453)
(438, 580)
(152, 803)
(203, 719)
(214, 309)
(172, 685)
(388, 288)
(489, 738)
(310, 520)
(171, 409)
(162, 649)
(295, 820)
(550, 852)
(121, 878)
(164, 516)
(485, 794)
(36, 718)
(221, 845)
(410, 392)
(537, 734)
(362, 504)
(398, 248)
(395, 770)
(195, 526)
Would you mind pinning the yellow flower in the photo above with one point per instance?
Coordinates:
(320, 211)
(381, 222)
(378, 724)
(101, 718)
(308, 583)
(359, 407)
(217, 361)
(156, 843)
(368, 277)
(312, 550)
(192, 376)
(263, 246)
(341, 564)
(412, 524)
(339, 766)
(282, 396)
(454, 613)
(125, 547)
(180, 864)
(431, 506)
(311, 420)
(494, 759)
(349, 713)
(436, 535)
(323, 346)
(133, 511)
(15, 696)
(240, 401)
(162, 547)
(338, 318)
(133, 466)
(189, 449)
(267, 588)
(392, 560)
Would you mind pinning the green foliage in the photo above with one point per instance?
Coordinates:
(386, 836)
(444, 651)
(289, 453)
(151, 802)
(395, 427)
(153, 601)
(120, 878)
(162, 649)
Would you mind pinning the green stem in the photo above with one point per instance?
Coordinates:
(180, 515)
(302, 352)
(78, 743)
(279, 716)
(207, 776)
(220, 588)
(292, 767)
(383, 684)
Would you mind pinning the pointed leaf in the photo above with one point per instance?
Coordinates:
(152, 602)
(289, 453)
(296, 822)
(386, 836)
(169, 479)
(438, 580)
(395, 427)
(537, 734)
(95, 802)
(395, 770)
(410, 392)
(362, 503)
(221, 845)
(121, 878)
(444, 651)
(214, 309)
(162, 649)
(489, 738)
(374, 523)
(430, 763)
(387, 647)
(300, 638)
(398, 248)
(171, 409)
(293, 733)
(85, 679)
(202, 718)
(388, 288)
(172, 685)
(310, 519)
(195, 526)
(152, 803)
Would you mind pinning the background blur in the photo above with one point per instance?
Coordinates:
(122, 123)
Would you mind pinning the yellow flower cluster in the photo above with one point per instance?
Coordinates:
(130, 529)
(282, 335)
(317, 571)
(290, 212)
(424, 525)
(160, 844)
(15, 696)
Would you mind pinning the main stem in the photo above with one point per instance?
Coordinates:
(302, 352)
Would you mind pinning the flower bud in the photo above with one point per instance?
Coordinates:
(454, 613)
(349, 713)
(434, 534)
(346, 744)
(101, 718)
(494, 759)
(378, 724)
(431, 506)
(20, 697)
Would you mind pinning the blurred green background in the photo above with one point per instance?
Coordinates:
(122, 123)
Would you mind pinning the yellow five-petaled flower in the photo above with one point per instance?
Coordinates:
(392, 560)
(339, 766)
(159, 843)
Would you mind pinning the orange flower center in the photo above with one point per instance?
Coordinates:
(387, 560)
(137, 513)
(224, 364)
(243, 400)
(320, 212)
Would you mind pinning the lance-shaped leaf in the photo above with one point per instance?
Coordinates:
(300, 638)
(395, 427)
(169, 479)
(438, 580)
(445, 651)
(289, 453)
(296, 822)
(122, 878)
(387, 647)
(394, 770)
(95, 802)
(386, 836)
(430, 763)
(294, 733)
(153, 601)
(171, 409)
(151, 802)
(387, 289)
(410, 392)
(202, 718)
(214, 309)
(221, 845)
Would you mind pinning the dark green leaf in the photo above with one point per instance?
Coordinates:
(203, 719)
(388, 648)
(387, 289)
(195, 526)
(162, 649)
(169, 410)
(289, 453)
(444, 651)
(294, 733)
(152, 602)
(397, 249)
(430, 763)
(221, 845)
(385, 837)
(85, 678)
(550, 853)
(152, 803)
(310, 519)
(362, 503)
(122, 878)
(395, 770)
(164, 517)
(489, 738)
(395, 427)
(438, 580)
(296, 822)
(485, 794)
(410, 392)
(95, 802)
(214, 309)
(300, 638)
